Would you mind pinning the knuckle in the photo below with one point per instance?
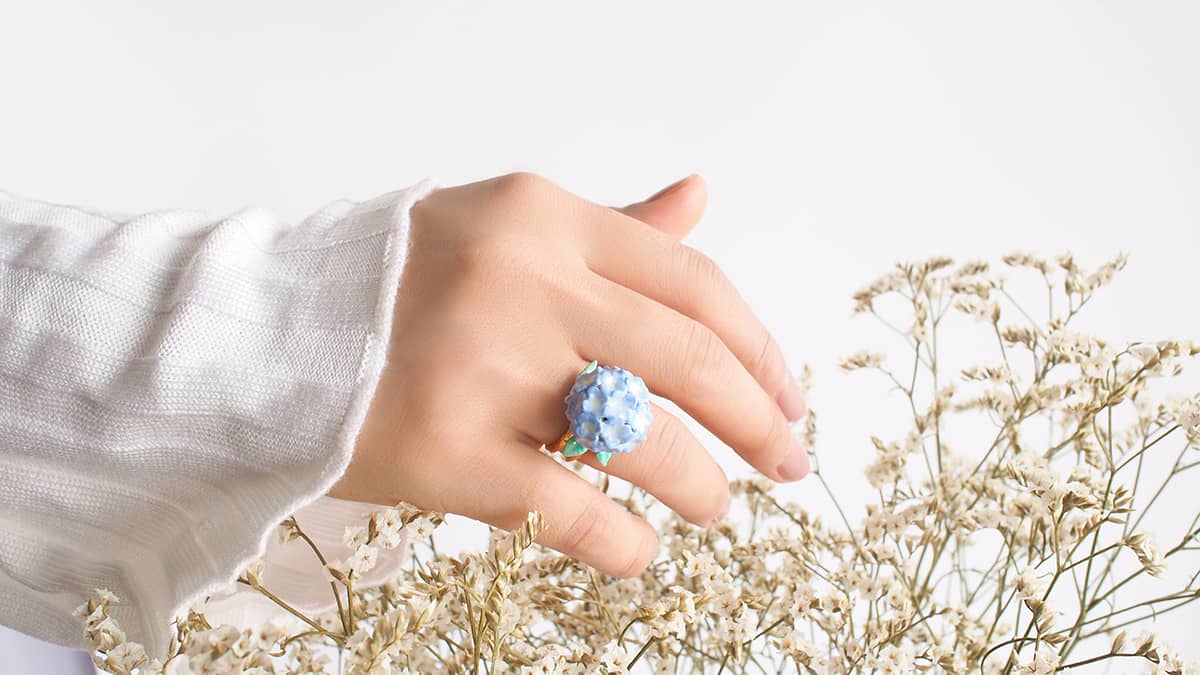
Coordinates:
(633, 564)
(521, 185)
(702, 356)
(768, 367)
(704, 276)
(670, 447)
(590, 528)
(591, 297)
(776, 441)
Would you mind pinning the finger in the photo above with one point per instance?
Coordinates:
(654, 264)
(687, 362)
(675, 210)
(672, 465)
(581, 521)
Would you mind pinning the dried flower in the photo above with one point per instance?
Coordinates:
(1004, 552)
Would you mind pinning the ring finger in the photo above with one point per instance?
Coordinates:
(672, 465)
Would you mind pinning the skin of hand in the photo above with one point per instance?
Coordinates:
(511, 286)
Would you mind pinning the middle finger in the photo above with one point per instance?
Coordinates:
(685, 361)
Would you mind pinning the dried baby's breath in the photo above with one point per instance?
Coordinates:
(1033, 550)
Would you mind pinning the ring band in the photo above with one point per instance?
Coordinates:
(608, 411)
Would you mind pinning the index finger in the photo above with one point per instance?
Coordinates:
(656, 265)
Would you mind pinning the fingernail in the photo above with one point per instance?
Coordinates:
(795, 465)
(669, 189)
(791, 399)
(721, 516)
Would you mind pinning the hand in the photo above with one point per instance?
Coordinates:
(512, 286)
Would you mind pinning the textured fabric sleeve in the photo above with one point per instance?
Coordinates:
(171, 388)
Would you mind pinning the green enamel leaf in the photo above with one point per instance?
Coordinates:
(603, 458)
(588, 368)
(573, 448)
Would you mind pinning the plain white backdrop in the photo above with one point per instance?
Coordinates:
(836, 138)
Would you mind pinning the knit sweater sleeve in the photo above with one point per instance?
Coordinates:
(171, 387)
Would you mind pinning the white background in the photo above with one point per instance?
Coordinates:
(836, 138)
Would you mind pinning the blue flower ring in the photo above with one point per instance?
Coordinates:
(608, 411)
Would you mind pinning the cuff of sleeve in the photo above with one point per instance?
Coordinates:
(393, 208)
(293, 572)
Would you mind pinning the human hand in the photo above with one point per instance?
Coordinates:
(511, 286)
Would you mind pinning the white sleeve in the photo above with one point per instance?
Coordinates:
(294, 573)
(171, 388)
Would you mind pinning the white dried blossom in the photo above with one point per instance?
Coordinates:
(363, 559)
(288, 530)
(698, 565)
(968, 540)
(337, 570)
(613, 657)
(254, 572)
(797, 646)
(860, 360)
(355, 536)
(421, 528)
(1044, 662)
(125, 658)
(1143, 546)
(1028, 585)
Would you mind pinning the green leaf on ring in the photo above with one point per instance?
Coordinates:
(603, 458)
(589, 368)
(573, 448)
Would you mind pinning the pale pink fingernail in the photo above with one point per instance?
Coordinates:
(721, 516)
(669, 189)
(791, 399)
(795, 465)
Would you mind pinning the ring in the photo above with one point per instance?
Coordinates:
(608, 411)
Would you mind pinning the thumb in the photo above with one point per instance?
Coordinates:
(675, 209)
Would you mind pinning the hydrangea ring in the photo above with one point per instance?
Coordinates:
(608, 411)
